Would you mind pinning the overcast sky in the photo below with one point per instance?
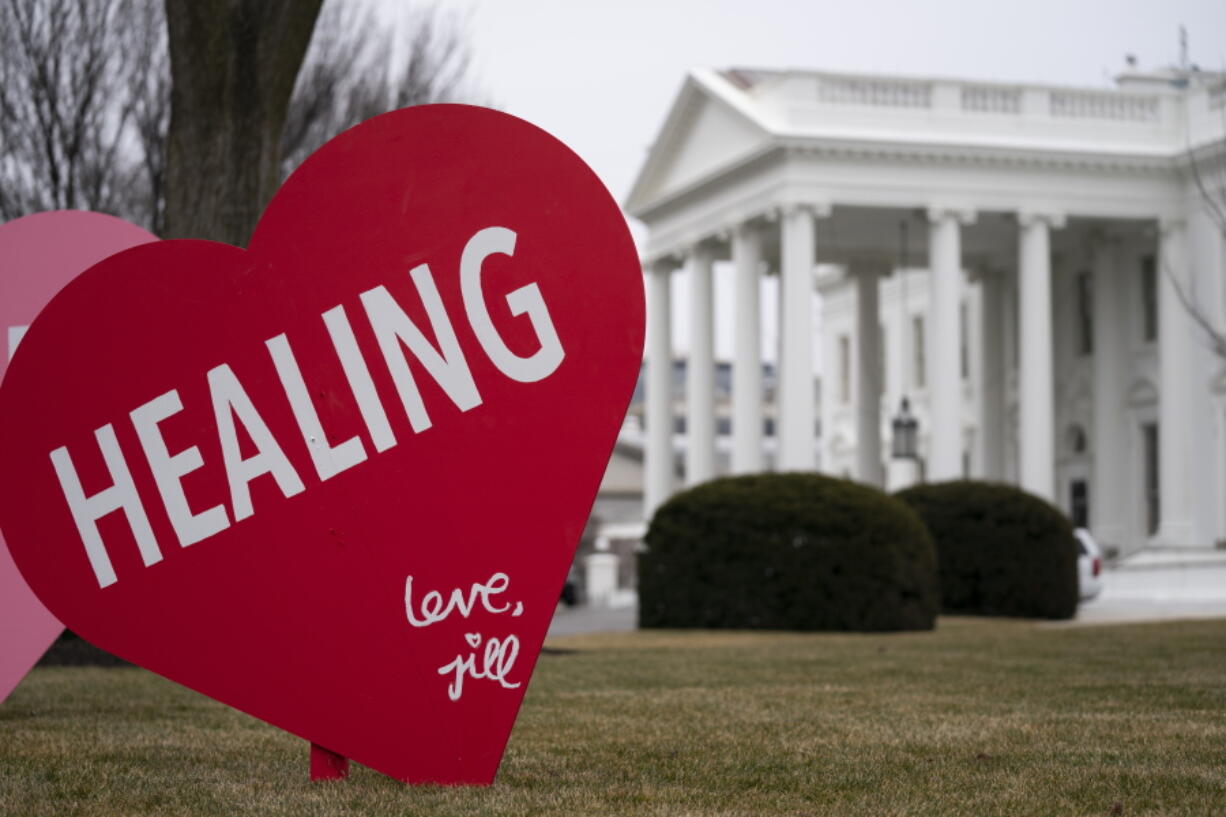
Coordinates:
(601, 74)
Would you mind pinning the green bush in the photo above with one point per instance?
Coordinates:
(1000, 550)
(790, 551)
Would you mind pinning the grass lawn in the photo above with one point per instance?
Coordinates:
(979, 718)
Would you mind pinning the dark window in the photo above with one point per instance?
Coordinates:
(844, 369)
(881, 357)
(1015, 329)
(1149, 299)
(1153, 508)
(1085, 314)
(1076, 440)
(964, 357)
(1079, 503)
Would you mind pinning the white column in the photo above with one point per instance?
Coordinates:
(1176, 393)
(1209, 256)
(1036, 421)
(658, 456)
(700, 372)
(797, 403)
(1208, 270)
(1109, 486)
(992, 377)
(747, 393)
(868, 376)
(945, 343)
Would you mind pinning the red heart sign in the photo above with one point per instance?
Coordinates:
(336, 480)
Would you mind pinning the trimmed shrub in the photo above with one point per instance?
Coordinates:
(1000, 550)
(794, 551)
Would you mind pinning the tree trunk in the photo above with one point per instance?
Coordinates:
(233, 64)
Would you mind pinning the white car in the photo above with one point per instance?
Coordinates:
(1089, 565)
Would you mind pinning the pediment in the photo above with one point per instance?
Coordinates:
(703, 134)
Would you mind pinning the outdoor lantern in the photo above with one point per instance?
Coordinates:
(906, 428)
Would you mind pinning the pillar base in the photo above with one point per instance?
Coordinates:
(1176, 535)
(601, 578)
(902, 473)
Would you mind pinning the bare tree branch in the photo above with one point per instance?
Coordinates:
(1215, 209)
(85, 93)
(1214, 335)
(67, 99)
(350, 72)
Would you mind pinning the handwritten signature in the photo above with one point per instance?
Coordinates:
(493, 662)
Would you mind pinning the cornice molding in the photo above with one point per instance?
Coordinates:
(981, 155)
(927, 154)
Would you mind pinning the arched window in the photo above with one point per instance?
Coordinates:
(1075, 440)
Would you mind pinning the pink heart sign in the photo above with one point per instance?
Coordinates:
(336, 480)
(38, 255)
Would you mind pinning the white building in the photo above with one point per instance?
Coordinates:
(1052, 234)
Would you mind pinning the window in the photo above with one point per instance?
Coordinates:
(1014, 328)
(917, 351)
(1085, 314)
(1075, 440)
(881, 358)
(844, 369)
(1153, 507)
(964, 357)
(1079, 503)
(1149, 299)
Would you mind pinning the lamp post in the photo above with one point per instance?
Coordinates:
(906, 429)
(904, 467)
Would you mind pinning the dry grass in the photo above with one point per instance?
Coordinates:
(980, 718)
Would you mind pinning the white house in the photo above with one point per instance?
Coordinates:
(1054, 244)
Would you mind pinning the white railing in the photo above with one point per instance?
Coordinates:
(999, 99)
(1104, 105)
(889, 93)
(991, 99)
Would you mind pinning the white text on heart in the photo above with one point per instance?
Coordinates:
(497, 660)
(394, 332)
(498, 657)
(432, 609)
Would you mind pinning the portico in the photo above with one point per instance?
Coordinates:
(1034, 319)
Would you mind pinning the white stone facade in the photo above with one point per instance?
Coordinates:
(1053, 236)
